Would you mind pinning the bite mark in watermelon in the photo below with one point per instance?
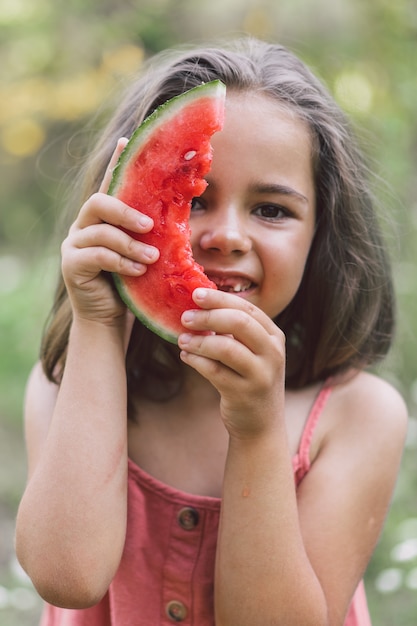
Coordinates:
(159, 172)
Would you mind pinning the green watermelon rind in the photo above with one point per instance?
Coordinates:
(146, 321)
(162, 114)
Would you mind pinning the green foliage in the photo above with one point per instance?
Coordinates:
(61, 63)
(25, 291)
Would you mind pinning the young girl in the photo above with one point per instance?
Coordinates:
(243, 477)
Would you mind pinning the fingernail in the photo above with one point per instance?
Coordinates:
(144, 220)
(140, 268)
(150, 253)
(199, 293)
(184, 339)
(188, 316)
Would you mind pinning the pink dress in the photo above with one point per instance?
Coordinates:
(166, 572)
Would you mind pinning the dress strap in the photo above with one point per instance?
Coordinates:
(302, 460)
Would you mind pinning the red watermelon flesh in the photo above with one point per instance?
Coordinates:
(159, 172)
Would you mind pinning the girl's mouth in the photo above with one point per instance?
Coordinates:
(232, 284)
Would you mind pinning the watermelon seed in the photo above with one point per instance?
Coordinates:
(190, 155)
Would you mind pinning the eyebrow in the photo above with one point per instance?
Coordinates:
(275, 188)
(270, 188)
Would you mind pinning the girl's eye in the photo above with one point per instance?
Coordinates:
(271, 211)
(196, 204)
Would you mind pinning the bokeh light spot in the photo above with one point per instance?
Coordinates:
(354, 91)
(389, 580)
(22, 137)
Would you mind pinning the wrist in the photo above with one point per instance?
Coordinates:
(87, 334)
(255, 442)
(256, 426)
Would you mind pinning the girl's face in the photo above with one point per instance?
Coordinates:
(252, 228)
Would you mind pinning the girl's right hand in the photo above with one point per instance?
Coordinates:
(95, 244)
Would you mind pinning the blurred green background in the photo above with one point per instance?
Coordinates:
(61, 62)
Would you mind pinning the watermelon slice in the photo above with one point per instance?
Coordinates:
(159, 172)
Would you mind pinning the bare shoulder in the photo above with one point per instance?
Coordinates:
(40, 399)
(40, 392)
(345, 497)
(370, 398)
(370, 409)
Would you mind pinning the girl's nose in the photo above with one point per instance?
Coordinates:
(225, 236)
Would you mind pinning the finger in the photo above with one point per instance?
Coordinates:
(107, 236)
(247, 324)
(210, 354)
(235, 355)
(121, 144)
(81, 265)
(213, 298)
(101, 208)
(228, 322)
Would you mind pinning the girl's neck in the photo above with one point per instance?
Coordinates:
(182, 441)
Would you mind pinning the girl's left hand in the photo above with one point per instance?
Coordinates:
(241, 352)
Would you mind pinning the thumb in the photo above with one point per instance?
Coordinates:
(121, 144)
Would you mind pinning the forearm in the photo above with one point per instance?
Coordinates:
(72, 517)
(263, 575)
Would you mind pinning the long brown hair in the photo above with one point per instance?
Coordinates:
(342, 315)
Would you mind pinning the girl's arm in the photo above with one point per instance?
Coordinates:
(305, 558)
(71, 521)
(286, 557)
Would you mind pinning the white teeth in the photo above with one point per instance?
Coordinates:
(230, 286)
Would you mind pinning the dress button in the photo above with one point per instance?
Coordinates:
(176, 610)
(188, 518)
